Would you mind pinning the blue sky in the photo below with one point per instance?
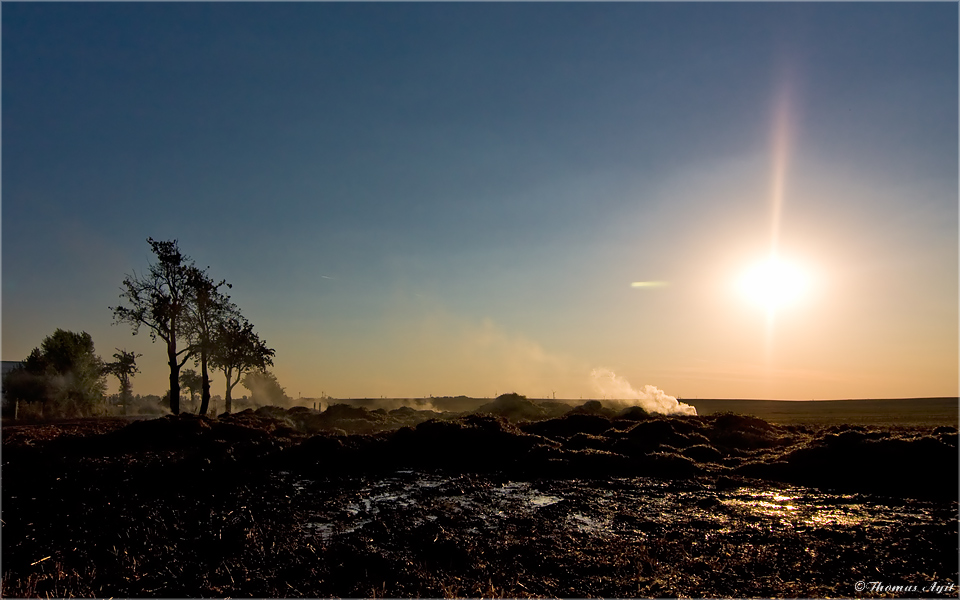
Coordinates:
(415, 199)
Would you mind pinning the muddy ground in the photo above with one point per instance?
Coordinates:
(357, 503)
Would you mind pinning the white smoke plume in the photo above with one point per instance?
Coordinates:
(651, 398)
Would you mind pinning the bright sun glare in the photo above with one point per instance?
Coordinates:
(774, 284)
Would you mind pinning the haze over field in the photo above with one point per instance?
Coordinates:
(621, 200)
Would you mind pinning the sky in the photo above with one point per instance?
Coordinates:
(439, 199)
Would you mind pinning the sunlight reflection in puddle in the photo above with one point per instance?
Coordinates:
(796, 509)
(629, 507)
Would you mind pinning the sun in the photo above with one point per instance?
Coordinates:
(774, 283)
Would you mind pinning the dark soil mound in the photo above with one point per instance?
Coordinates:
(410, 417)
(568, 426)
(329, 454)
(474, 442)
(403, 412)
(731, 422)
(634, 413)
(343, 418)
(248, 505)
(650, 435)
(594, 407)
(189, 433)
(554, 409)
(919, 467)
(703, 453)
(742, 432)
(345, 411)
(513, 407)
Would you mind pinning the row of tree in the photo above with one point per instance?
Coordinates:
(64, 376)
(179, 304)
(264, 387)
(190, 312)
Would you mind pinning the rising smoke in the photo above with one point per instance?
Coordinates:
(650, 398)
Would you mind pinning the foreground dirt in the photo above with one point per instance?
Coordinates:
(286, 504)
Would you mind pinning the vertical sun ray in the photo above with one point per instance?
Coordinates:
(780, 151)
(781, 142)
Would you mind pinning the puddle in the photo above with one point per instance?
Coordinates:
(523, 491)
(540, 501)
(770, 505)
(585, 524)
(625, 507)
(329, 530)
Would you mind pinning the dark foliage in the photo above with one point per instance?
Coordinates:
(264, 388)
(159, 300)
(238, 350)
(207, 309)
(64, 374)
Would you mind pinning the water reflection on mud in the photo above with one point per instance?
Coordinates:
(627, 507)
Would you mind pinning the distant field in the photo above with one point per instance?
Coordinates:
(901, 411)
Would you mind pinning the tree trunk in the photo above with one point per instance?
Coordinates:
(228, 400)
(125, 393)
(174, 378)
(204, 384)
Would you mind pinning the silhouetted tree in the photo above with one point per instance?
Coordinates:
(238, 350)
(159, 299)
(123, 368)
(264, 388)
(190, 379)
(64, 371)
(207, 310)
